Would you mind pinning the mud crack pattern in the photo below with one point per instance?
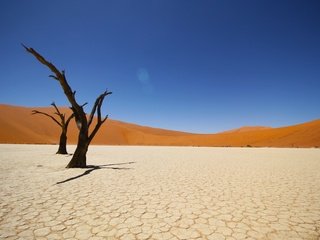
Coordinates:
(160, 193)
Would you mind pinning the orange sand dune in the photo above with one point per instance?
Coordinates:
(18, 125)
(246, 129)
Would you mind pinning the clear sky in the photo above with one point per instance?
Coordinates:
(191, 65)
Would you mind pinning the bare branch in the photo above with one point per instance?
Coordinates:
(84, 104)
(56, 108)
(93, 111)
(45, 62)
(52, 76)
(105, 118)
(60, 76)
(68, 120)
(97, 107)
(48, 115)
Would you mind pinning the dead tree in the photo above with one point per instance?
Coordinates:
(85, 137)
(63, 123)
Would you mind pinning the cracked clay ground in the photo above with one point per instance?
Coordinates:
(160, 193)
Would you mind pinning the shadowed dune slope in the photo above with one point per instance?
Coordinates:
(18, 125)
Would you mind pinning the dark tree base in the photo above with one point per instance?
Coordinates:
(79, 159)
(63, 143)
(62, 152)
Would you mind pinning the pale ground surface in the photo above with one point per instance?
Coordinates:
(160, 193)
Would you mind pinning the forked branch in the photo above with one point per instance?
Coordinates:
(57, 109)
(97, 107)
(48, 115)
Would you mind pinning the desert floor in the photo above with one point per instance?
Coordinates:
(160, 193)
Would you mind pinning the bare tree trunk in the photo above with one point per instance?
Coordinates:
(63, 143)
(79, 159)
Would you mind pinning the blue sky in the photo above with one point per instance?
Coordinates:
(190, 65)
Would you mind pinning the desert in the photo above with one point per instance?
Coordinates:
(160, 120)
(139, 192)
(19, 126)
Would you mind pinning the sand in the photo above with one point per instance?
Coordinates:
(160, 193)
(17, 125)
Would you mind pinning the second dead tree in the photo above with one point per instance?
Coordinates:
(63, 123)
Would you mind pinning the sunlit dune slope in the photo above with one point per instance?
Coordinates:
(18, 125)
(246, 129)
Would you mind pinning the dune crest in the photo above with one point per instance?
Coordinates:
(246, 129)
(17, 125)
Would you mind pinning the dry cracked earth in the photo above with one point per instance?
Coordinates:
(160, 193)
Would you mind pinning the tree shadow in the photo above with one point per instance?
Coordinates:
(68, 154)
(97, 167)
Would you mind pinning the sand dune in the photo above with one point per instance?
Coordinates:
(246, 129)
(17, 125)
